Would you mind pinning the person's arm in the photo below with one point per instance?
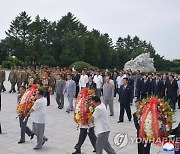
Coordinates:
(94, 116)
(91, 120)
(112, 97)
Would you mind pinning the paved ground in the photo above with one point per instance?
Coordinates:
(60, 129)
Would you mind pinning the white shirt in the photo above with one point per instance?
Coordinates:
(98, 80)
(178, 82)
(82, 81)
(101, 120)
(119, 81)
(39, 112)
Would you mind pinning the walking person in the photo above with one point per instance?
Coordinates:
(143, 148)
(38, 111)
(59, 89)
(70, 90)
(84, 131)
(125, 100)
(13, 79)
(108, 95)
(23, 124)
(102, 127)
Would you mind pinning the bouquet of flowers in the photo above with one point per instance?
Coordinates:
(155, 116)
(84, 107)
(27, 101)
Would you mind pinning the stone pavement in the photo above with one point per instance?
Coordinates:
(60, 129)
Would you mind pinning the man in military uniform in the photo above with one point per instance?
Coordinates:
(2, 79)
(13, 79)
(24, 77)
(19, 77)
(52, 81)
(45, 85)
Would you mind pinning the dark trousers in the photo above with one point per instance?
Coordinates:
(82, 136)
(47, 95)
(60, 100)
(128, 111)
(77, 91)
(173, 100)
(138, 93)
(98, 92)
(24, 128)
(13, 86)
(115, 91)
(2, 88)
(143, 95)
(142, 149)
(179, 100)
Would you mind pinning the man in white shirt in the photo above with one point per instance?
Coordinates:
(99, 82)
(119, 81)
(38, 111)
(102, 127)
(83, 80)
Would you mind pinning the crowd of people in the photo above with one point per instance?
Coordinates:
(128, 86)
(107, 84)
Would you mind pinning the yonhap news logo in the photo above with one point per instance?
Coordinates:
(121, 140)
(168, 144)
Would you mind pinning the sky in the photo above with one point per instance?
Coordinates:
(156, 21)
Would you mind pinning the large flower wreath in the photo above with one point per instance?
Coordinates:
(155, 116)
(84, 107)
(27, 101)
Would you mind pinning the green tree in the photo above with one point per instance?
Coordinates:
(18, 33)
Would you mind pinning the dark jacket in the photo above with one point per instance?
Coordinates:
(91, 85)
(125, 95)
(145, 87)
(157, 88)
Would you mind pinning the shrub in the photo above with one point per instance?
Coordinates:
(11, 61)
(80, 65)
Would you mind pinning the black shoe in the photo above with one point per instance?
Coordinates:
(14, 91)
(94, 151)
(60, 107)
(32, 136)
(36, 148)
(77, 152)
(129, 119)
(45, 140)
(120, 121)
(111, 115)
(71, 110)
(68, 111)
(20, 142)
(10, 91)
(179, 107)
